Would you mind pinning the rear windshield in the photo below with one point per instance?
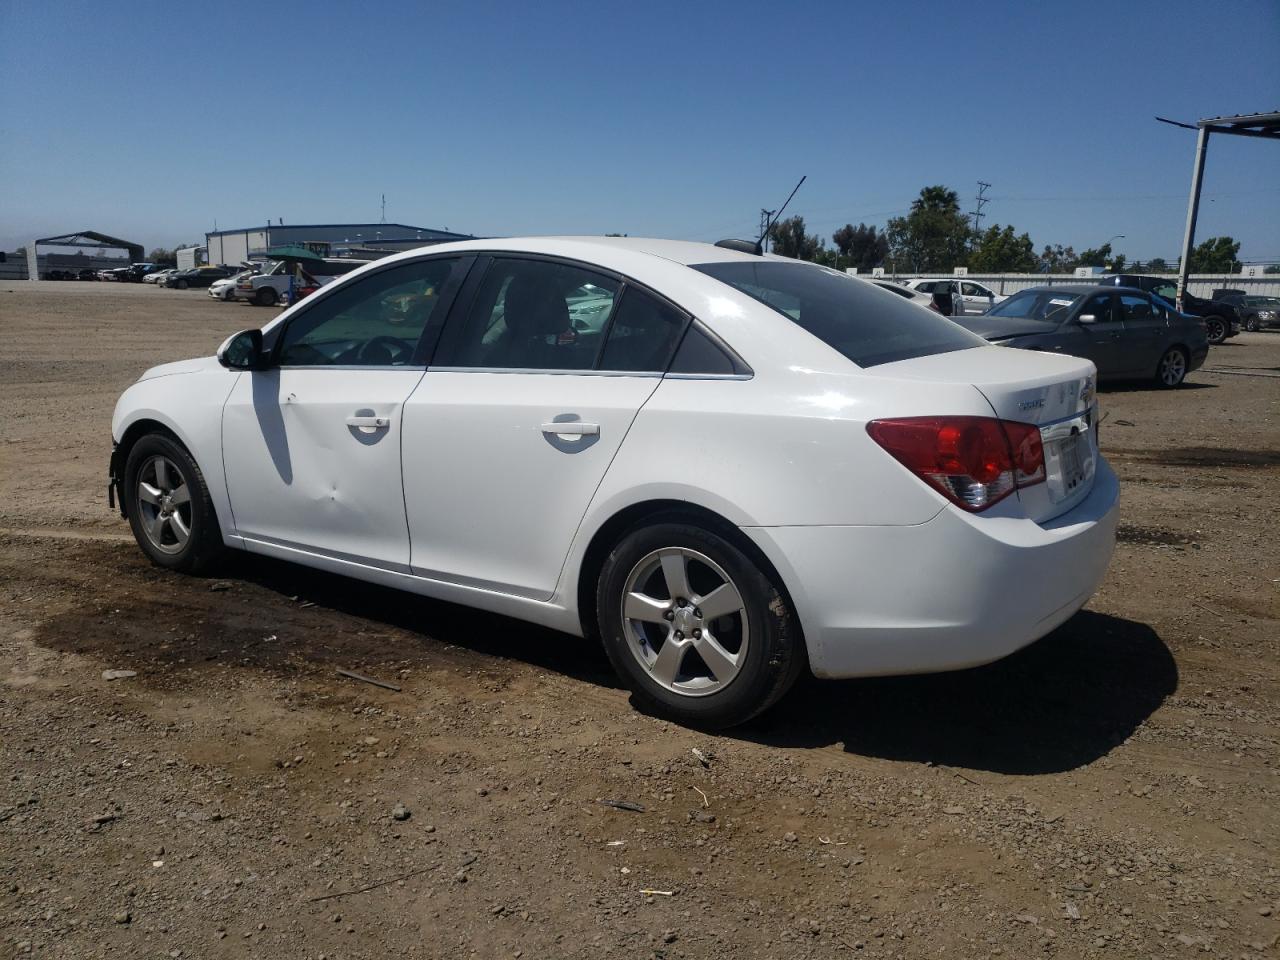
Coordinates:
(1047, 306)
(866, 324)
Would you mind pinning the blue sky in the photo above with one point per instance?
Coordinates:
(151, 121)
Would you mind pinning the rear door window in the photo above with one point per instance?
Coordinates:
(643, 334)
(531, 315)
(867, 325)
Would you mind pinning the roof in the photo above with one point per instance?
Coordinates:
(383, 227)
(88, 238)
(1077, 288)
(684, 252)
(1248, 125)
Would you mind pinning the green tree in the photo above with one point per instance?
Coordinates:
(933, 237)
(1273, 268)
(1117, 263)
(1000, 250)
(162, 255)
(790, 240)
(1057, 259)
(1216, 255)
(1094, 256)
(860, 246)
(1157, 265)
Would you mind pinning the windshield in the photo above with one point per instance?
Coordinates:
(868, 325)
(1047, 306)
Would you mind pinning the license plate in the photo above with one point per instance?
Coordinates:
(1073, 462)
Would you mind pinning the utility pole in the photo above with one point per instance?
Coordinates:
(979, 202)
(384, 209)
(766, 216)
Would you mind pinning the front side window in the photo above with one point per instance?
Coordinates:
(1098, 307)
(1134, 307)
(864, 323)
(376, 321)
(532, 315)
(1047, 306)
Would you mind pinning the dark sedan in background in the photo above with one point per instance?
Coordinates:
(1129, 334)
(199, 277)
(1221, 320)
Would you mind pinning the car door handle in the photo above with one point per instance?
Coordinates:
(572, 428)
(378, 423)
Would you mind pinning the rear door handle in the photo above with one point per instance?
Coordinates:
(378, 423)
(572, 428)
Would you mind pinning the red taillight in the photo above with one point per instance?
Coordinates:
(973, 461)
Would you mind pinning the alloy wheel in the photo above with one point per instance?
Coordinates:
(685, 621)
(164, 504)
(1216, 329)
(1173, 368)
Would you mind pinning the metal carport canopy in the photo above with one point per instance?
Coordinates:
(1264, 125)
(83, 238)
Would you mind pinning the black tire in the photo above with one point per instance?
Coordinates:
(266, 297)
(181, 284)
(1217, 328)
(1251, 324)
(1171, 371)
(203, 546)
(773, 654)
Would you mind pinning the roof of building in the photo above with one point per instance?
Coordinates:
(383, 227)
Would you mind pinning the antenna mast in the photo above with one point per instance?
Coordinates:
(769, 218)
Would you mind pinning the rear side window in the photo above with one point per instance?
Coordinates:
(867, 325)
(531, 315)
(643, 334)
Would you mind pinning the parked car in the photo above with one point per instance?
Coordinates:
(1127, 333)
(270, 285)
(1256, 313)
(225, 289)
(975, 297)
(106, 274)
(158, 276)
(1220, 319)
(905, 292)
(196, 277)
(137, 271)
(59, 274)
(740, 473)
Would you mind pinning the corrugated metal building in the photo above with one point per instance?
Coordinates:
(232, 246)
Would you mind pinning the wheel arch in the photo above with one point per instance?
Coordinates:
(135, 431)
(608, 534)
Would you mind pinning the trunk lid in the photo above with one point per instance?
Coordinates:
(1055, 392)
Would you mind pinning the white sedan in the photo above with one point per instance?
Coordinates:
(738, 466)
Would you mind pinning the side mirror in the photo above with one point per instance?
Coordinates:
(1086, 318)
(242, 351)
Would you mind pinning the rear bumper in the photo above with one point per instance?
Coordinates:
(957, 591)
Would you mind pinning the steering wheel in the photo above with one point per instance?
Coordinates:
(398, 349)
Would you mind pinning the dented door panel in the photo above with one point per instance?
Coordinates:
(312, 460)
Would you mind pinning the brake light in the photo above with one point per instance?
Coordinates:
(974, 462)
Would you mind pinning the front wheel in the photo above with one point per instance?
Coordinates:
(181, 284)
(694, 626)
(266, 297)
(1172, 369)
(1216, 328)
(1251, 324)
(170, 511)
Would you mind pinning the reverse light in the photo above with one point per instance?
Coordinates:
(974, 462)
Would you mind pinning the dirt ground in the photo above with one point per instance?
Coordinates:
(1111, 791)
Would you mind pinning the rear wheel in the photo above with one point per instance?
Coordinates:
(1216, 328)
(266, 296)
(1172, 369)
(170, 511)
(694, 626)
